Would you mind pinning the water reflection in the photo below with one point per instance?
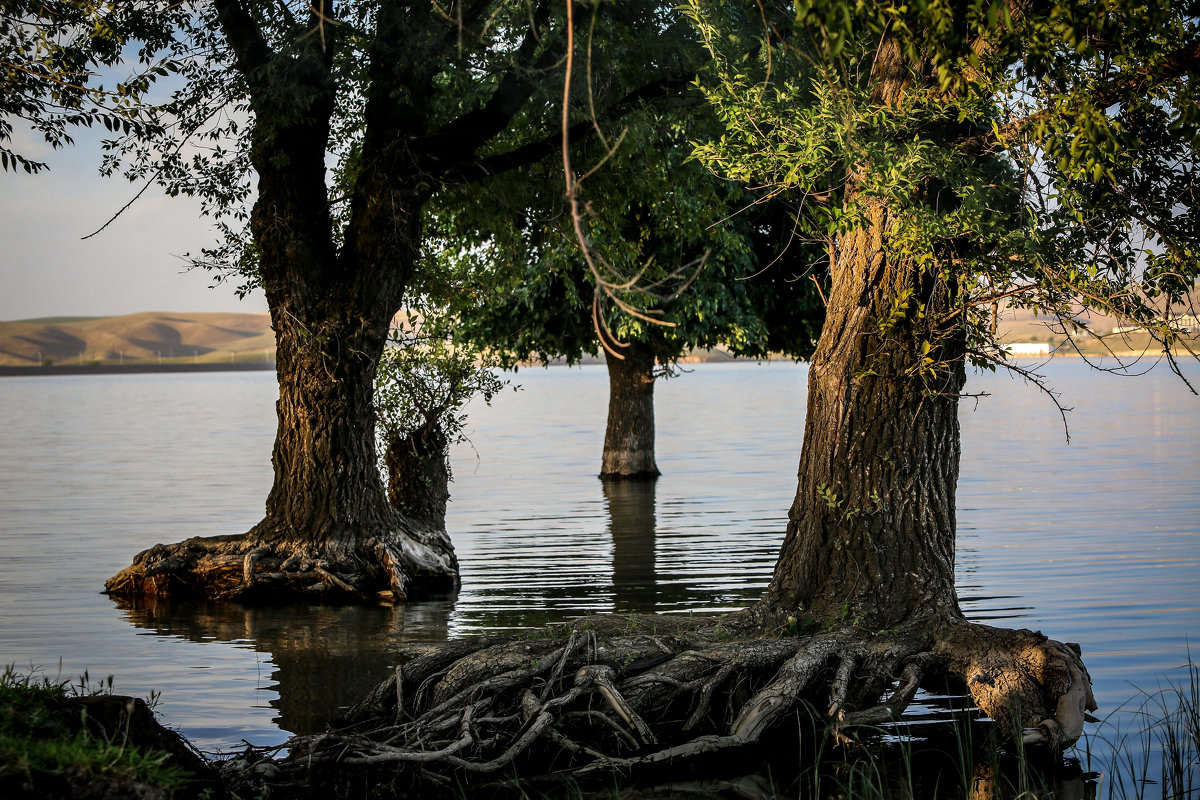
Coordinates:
(631, 523)
(950, 767)
(324, 657)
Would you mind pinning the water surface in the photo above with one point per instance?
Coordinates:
(1097, 541)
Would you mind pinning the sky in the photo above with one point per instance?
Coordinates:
(46, 270)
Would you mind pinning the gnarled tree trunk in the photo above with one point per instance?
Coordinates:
(329, 530)
(870, 538)
(629, 436)
(871, 534)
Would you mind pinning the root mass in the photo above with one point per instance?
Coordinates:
(654, 696)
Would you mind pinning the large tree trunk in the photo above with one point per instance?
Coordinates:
(629, 437)
(329, 530)
(870, 538)
(871, 532)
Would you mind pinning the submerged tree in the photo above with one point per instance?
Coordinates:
(708, 268)
(953, 155)
(406, 99)
(423, 382)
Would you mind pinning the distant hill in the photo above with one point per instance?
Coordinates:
(1103, 337)
(1022, 324)
(147, 337)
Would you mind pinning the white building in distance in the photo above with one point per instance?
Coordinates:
(1027, 348)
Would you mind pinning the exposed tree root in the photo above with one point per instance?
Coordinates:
(645, 695)
(264, 566)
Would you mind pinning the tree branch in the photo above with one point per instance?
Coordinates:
(1181, 62)
(664, 89)
(250, 48)
(464, 135)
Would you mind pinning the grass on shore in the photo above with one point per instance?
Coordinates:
(46, 748)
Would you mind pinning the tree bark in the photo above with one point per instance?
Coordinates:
(629, 437)
(419, 475)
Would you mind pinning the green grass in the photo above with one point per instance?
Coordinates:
(45, 748)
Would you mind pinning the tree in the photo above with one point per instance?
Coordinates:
(958, 154)
(52, 51)
(703, 274)
(406, 100)
(422, 384)
(953, 155)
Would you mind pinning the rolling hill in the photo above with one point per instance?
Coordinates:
(147, 337)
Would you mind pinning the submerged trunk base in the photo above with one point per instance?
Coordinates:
(264, 567)
(649, 697)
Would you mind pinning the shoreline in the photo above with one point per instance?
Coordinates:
(11, 371)
(131, 369)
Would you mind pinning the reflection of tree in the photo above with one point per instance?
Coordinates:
(1012, 781)
(326, 657)
(630, 506)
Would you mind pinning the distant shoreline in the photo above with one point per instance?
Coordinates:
(250, 366)
(131, 369)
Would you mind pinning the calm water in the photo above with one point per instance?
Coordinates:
(1096, 542)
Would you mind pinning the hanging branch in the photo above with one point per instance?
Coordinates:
(605, 288)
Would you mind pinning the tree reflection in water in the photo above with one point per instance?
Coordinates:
(630, 506)
(324, 657)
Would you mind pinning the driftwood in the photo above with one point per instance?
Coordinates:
(651, 696)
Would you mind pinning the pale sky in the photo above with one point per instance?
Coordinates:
(134, 265)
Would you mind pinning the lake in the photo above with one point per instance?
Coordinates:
(1096, 542)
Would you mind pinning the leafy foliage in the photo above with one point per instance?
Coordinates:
(52, 55)
(694, 269)
(475, 89)
(1045, 159)
(424, 380)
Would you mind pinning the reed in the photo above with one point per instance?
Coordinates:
(1149, 747)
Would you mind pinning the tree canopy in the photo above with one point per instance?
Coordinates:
(698, 272)
(1043, 155)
